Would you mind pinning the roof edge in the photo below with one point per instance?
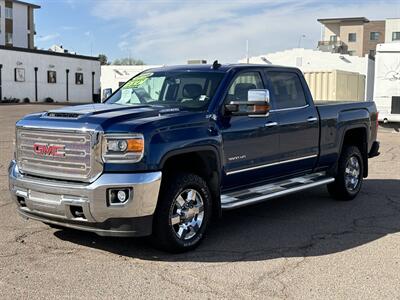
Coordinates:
(35, 6)
(46, 52)
(350, 19)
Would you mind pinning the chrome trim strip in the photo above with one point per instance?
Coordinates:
(58, 129)
(237, 204)
(290, 108)
(271, 164)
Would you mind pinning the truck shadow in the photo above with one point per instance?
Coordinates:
(390, 126)
(306, 224)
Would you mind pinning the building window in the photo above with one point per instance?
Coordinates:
(352, 37)
(372, 53)
(9, 38)
(396, 36)
(51, 77)
(374, 36)
(79, 78)
(333, 38)
(9, 13)
(19, 74)
(351, 53)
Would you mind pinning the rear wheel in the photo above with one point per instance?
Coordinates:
(182, 214)
(349, 178)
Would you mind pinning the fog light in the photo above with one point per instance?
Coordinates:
(118, 196)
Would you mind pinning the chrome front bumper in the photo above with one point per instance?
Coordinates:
(53, 201)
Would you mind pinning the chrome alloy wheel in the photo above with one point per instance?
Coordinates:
(187, 214)
(352, 173)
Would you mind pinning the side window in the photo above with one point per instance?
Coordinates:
(242, 84)
(286, 90)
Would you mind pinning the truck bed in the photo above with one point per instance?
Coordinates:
(335, 117)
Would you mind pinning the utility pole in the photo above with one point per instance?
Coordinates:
(247, 52)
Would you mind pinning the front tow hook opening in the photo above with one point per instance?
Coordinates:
(77, 212)
(21, 201)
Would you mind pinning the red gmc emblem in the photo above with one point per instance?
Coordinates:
(48, 150)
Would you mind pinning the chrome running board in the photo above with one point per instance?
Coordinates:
(269, 191)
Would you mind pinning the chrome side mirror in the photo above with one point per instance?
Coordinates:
(258, 104)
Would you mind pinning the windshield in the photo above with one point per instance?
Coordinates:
(182, 90)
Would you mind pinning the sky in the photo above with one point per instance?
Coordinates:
(171, 32)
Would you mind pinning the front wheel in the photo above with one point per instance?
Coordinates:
(182, 214)
(349, 178)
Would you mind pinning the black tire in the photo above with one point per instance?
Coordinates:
(165, 236)
(338, 189)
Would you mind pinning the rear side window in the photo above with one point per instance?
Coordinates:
(286, 90)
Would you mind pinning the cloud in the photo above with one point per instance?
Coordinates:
(172, 32)
(49, 37)
(68, 28)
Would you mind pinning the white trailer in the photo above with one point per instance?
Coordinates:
(387, 82)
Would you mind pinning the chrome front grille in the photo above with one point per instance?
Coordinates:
(62, 155)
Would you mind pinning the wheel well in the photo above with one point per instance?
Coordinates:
(202, 163)
(358, 137)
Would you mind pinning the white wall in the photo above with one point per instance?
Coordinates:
(392, 25)
(28, 60)
(20, 25)
(113, 75)
(387, 79)
(2, 23)
(308, 60)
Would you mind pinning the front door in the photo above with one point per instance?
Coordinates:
(249, 143)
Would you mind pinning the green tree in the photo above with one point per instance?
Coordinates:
(128, 61)
(103, 59)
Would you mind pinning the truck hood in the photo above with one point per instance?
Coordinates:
(108, 117)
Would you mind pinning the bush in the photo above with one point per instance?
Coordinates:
(48, 100)
(9, 100)
(26, 100)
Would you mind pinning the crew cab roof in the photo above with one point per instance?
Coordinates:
(222, 69)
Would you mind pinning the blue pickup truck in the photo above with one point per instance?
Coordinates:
(177, 145)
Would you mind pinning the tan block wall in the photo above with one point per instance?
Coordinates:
(358, 29)
(373, 26)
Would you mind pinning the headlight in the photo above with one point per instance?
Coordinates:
(123, 148)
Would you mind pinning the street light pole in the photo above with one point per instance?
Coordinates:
(300, 38)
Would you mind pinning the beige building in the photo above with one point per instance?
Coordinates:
(17, 27)
(354, 36)
(392, 32)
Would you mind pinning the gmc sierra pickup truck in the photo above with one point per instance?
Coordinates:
(176, 145)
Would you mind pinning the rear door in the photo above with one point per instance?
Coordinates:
(249, 143)
(298, 122)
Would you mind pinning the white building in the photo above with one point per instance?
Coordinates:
(38, 74)
(387, 82)
(113, 76)
(392, 31)
(17, 27)
(308, 60)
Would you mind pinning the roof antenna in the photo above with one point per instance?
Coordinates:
(216, 65)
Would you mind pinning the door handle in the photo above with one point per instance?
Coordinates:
(271, 124)
(312, 119)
